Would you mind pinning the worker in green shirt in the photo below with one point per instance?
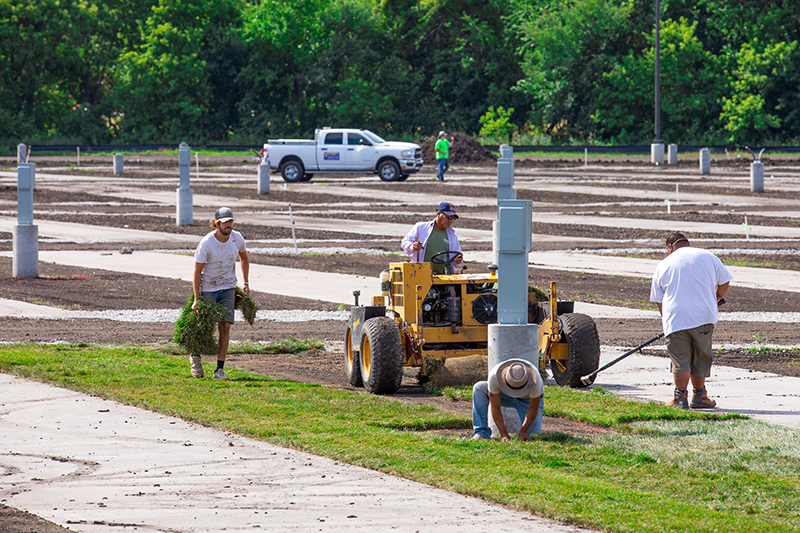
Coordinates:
(442, 149)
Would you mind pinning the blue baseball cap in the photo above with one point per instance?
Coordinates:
(448, 209)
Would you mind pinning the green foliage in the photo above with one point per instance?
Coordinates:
(548, 71)
(195, 330)
(692, 81)
(566, 52)
(765, 82)
(497, 123)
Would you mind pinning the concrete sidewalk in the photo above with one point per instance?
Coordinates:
(326, 286)
(97, 466)
(767, 397)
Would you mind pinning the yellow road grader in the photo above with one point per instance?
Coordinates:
(420, 316)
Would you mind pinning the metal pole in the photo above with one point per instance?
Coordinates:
(658, 73)
(291, 219)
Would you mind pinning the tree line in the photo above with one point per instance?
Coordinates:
(533, 71)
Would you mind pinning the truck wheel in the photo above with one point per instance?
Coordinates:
(307, 176)
(351, 364)
(389, 171)
(583, 347)
(381, 355)
(404, 177)
(292, 171)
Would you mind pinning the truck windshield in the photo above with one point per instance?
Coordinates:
(372, 137)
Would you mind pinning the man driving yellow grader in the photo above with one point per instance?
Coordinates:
(421, 315)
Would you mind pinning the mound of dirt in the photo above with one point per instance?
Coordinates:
(465, 150)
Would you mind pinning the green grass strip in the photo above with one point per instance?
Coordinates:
(627, 482)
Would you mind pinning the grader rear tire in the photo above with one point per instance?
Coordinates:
(381, 356)
(351, 365)
(583, 344)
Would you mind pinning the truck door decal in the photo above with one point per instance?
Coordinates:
(331, 156)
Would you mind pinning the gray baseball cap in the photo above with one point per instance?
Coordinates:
(224, 214)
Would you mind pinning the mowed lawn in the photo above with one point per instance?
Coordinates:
(657, 469)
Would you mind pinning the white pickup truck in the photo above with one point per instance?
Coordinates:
(341, 151)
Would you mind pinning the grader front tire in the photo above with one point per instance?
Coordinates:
(381, 356)
(583, 345)
(351, 365)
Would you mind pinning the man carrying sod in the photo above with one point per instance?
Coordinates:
(215, 279)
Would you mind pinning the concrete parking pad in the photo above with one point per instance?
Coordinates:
(767, 397)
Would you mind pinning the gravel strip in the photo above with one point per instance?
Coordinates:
(171, 315)
(299, 315)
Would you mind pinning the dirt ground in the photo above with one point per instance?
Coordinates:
(743, 344)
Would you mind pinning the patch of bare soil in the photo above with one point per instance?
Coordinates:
(16, 521)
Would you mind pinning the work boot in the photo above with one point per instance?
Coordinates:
(680, 399)
(700, 400)
(197, 366)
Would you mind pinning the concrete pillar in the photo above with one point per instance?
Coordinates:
(672, 154)
(26, 180)
(505, 174)
(495, 237)
(263, 178)
(657, 153)
(514, 223)
(118, 164)
(757, 176)
(511, 341)
(22, 153)
(512, 337)
(705, 161)
(25, 246)
(184, 215)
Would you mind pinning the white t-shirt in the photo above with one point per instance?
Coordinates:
(220, 259)
(494, 385)
(685, 283)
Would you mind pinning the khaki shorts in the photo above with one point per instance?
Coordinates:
(690, 350)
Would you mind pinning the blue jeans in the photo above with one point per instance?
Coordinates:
(444, 164)
(480, 410)
(226, 297)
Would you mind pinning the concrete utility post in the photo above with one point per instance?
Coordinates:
(26, 234)
(118, 164)
(184, 209)
(505, 174)
(705, 161)
(672, 151)
(512, 337)
(263, 178)
(757, 176)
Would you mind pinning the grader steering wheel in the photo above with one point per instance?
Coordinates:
(446, 261)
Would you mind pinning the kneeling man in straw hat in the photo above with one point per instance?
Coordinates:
(514, 383)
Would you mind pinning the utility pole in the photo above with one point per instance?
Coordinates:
(657, 138)
(657, 147)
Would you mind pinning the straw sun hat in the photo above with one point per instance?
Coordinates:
(516, 378)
